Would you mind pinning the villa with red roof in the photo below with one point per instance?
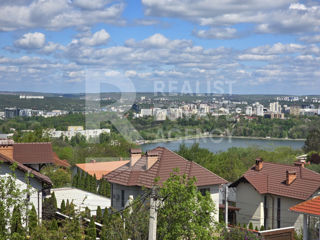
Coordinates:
(32, 155)
(142, 170)
(311, 214)
(267, 190)
(38, 184)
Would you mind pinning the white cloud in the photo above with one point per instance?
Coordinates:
(58, 14)
(158, 57)
(217, 33)
(272, 16)
(92, 4)
(112, 73)
(98, 38)
(310, 39)
(297, 6)
(31, 41)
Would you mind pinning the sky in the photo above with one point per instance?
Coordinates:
(229, 46)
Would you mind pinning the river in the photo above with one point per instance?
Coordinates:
(216, 144)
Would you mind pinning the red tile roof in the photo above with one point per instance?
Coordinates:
(137, 175)
(36, 153)
(100, 168)
(26, 169)
(272, 179)
(311, 206)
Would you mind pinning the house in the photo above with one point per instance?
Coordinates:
(98, 168)
(32, 155)
(39, 184)
(81, 199)
(142, 170)
(311, 214)
(267, 190)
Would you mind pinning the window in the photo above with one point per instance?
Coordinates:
(122, 198)
(204, 191)
(278, 212)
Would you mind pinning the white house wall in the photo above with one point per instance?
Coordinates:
(128, 190)
(136, 191)
(250, 203)
(35, 186)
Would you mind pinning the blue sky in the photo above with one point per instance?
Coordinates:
(265, 47)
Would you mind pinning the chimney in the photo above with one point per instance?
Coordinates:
(135, 155)
(6, 148)
(152, 157)
(299, 164)
(259, 164)
(291, 176)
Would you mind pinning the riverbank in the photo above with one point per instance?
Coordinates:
(216, 136)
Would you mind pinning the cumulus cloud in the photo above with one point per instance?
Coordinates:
(92, 4)
(31, 41)
(310, 39)
(158, 57)
(58, 14)
(269, 16)
(98, 38)
(217, 33)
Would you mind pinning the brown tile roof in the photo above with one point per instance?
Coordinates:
(311, 206)
(33, 153)
(135, 150)
(59, 162)
(137, 175)
(26, 169)
(36, 153)
(100, 168)
(272, 180)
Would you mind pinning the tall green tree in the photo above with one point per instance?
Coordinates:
(91, 230)
(63, 206)
(32, 219)
(312, 142)
(99, 215)
(3, 220)
(185, 213)
(16, 222)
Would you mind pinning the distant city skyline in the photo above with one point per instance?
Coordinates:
(263, 47)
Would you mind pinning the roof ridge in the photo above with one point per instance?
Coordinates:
(209, 171)
(25, 143)
(27, 169)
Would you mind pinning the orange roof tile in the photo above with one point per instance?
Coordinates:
(100, 168)
(311, 206)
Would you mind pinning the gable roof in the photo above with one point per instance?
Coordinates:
(100, 168)
(271, 179)
(33, 153)
(26, 169)
(138, 175)
(311, 206)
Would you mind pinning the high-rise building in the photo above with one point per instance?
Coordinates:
(11, 112)
(295, 110)
(259, 110)
(249, 110)
(275, 107)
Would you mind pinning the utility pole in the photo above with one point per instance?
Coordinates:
(153, 215)
(226, 205)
